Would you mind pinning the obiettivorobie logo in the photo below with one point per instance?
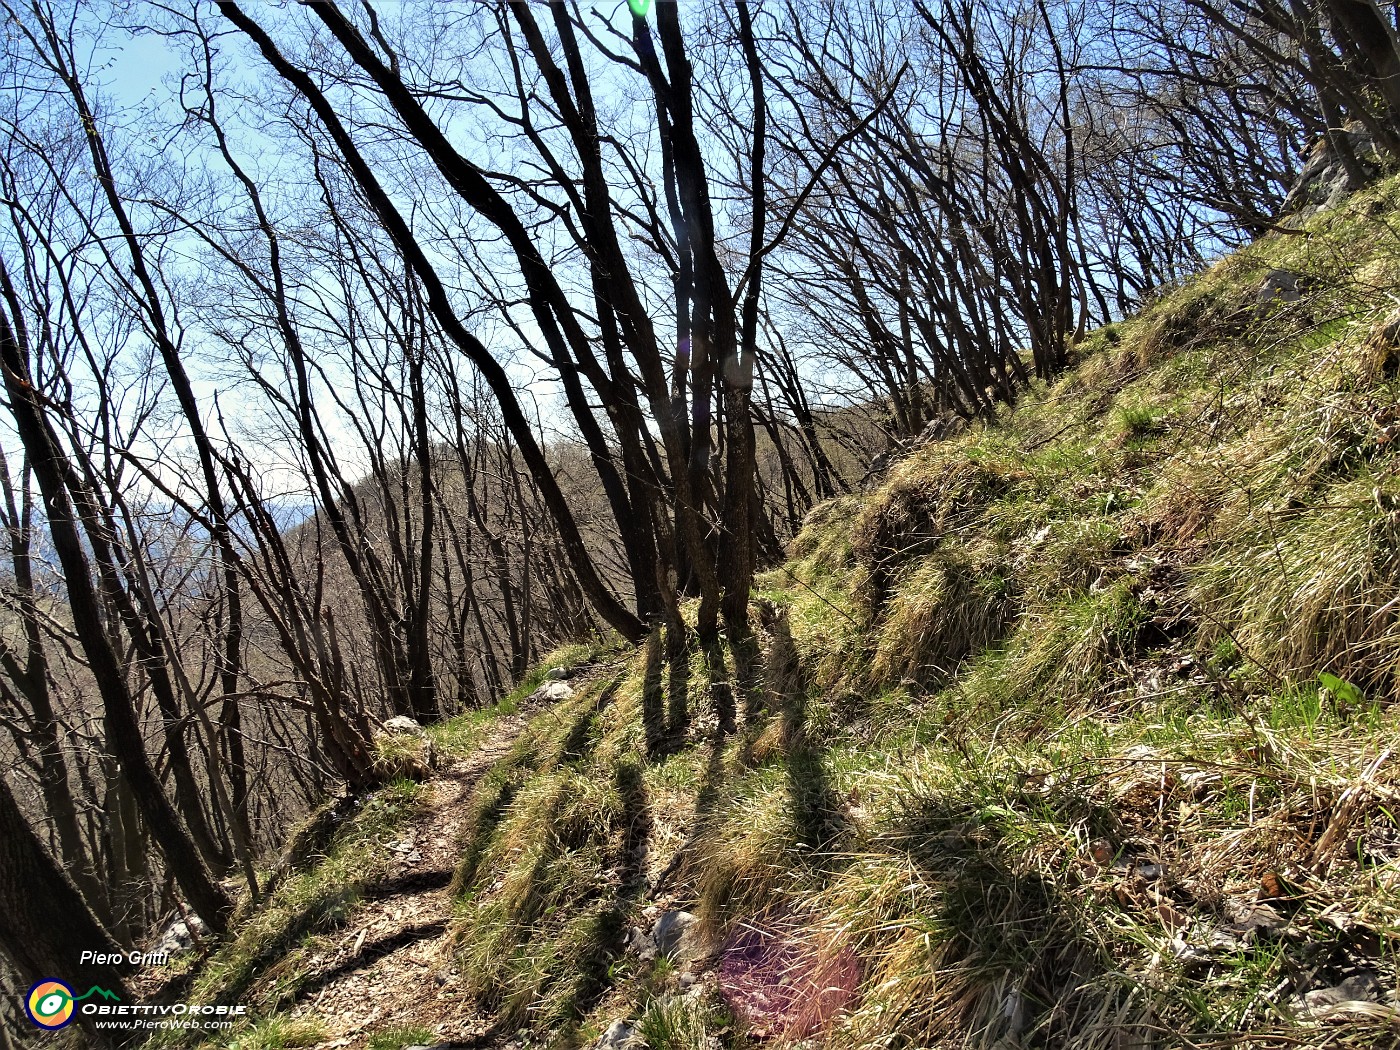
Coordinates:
(52, 1005)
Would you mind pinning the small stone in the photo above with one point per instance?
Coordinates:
(674, 937)
(1248, 921)
(640, 944)
(557, 674)
(1361, 987)
(620, 1036)
(1188, 954)
(1219, 940)
(939, 428)
(1278, 286)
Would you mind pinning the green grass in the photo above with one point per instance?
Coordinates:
(263, 964)
(682, 1023)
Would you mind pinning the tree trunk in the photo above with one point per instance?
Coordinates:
(45, 925)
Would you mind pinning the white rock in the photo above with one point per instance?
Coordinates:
(552, 693)
(620, 1036)
(180, 935)
(404, 724)
(675, 936)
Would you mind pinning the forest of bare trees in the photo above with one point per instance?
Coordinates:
(355, 355)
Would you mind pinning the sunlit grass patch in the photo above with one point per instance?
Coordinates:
(942, 611)
(1315, 587)
(683, 1023)
(273, 1033)
(460, 736)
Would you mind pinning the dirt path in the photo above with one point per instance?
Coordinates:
(393, 967)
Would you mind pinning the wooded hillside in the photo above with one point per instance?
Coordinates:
(356, 356)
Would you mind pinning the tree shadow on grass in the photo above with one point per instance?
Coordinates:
(721, 686)
(817, 813)
(677, 687)
(653, 700)
(573, 748)
(635, 821)
(665, 710)
(584, 947)
(607, 927)
(420, 881)
(1005, 927)
(502, 788)
(326, 912)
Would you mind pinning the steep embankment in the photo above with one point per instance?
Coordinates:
(1079, 731)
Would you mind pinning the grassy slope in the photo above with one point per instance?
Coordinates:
(1028, 733)
(1032, 728)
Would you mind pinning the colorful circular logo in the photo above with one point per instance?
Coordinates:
(50, 1004)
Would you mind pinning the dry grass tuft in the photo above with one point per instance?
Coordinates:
(1206, 315)
(918, 508)
(825, 535)
(1316, 586)
(944, 609)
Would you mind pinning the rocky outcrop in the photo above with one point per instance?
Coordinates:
(1338, 165)
(1279, 286)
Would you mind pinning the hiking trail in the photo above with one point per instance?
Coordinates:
(393, 967)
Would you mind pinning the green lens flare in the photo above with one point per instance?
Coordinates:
(639, 7)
